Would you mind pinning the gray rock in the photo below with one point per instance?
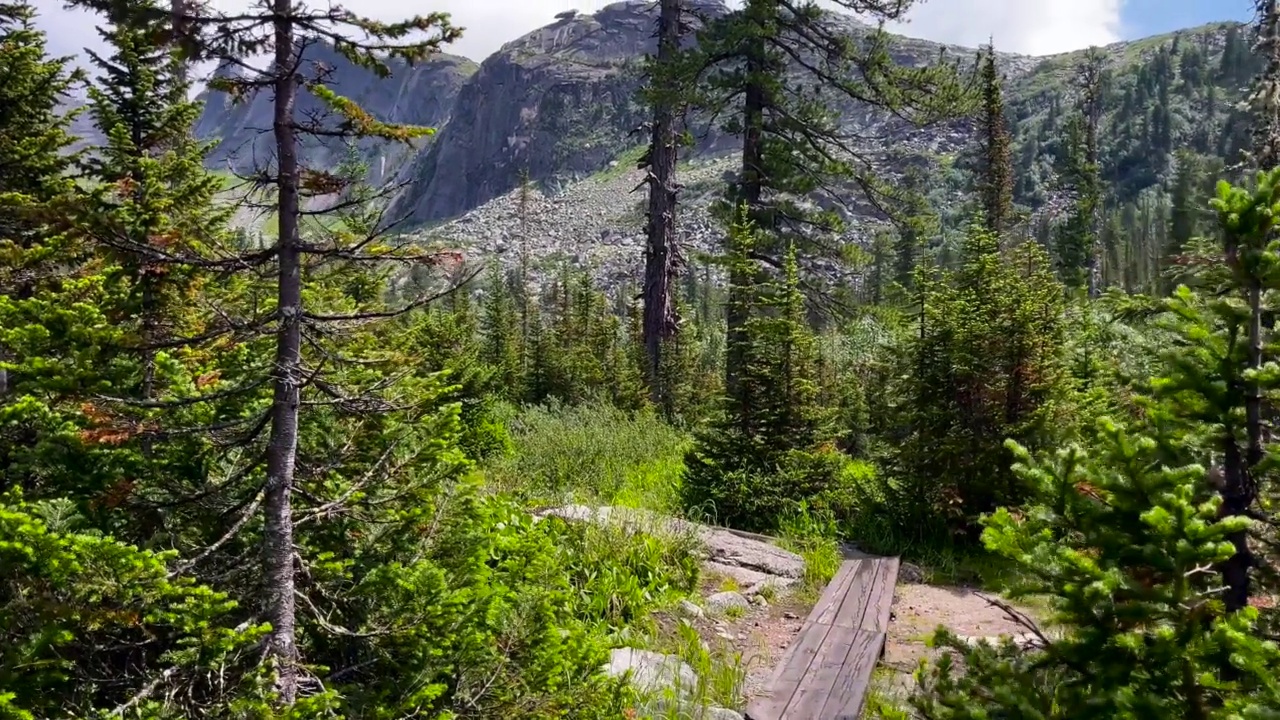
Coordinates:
(726, 548)
(652, 672)
(722, 601)
(1022, 640)
(743, 558)
(775, 584)
(910, 574)
(744, 577)
(688, 710)
(689, 609)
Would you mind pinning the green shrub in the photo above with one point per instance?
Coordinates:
(593, 453)
(822, 481)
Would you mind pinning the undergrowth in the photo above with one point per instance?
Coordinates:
(594, 454)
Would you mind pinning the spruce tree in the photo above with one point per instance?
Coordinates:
(996, 170)
(771, 446)
(1121, 543)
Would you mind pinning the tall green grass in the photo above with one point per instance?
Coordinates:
(591, 454)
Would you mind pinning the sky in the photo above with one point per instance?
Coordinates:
(1036, 27)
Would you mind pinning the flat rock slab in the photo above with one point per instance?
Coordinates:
(751, 562)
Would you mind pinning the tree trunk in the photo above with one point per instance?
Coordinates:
(662, 254)
(277, 549)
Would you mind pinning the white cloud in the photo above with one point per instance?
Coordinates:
(1027, 26)
(1033, 27)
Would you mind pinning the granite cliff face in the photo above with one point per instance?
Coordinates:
(423, 94)
(557, 104)
(561, 103)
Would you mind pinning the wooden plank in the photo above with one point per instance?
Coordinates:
(854, 604)
(812, 692)
(790, 672)
(879, 598)
(849, 691)
(826, 673)
(837, 591)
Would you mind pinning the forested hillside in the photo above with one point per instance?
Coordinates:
(595, 447)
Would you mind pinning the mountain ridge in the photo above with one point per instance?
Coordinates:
(558, 105)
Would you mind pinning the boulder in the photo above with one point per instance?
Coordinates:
(652, 672)
(723, 601)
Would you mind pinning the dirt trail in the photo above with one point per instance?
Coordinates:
(763, 634)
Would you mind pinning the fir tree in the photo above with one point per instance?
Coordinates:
(771, 447)
(1184, 198)
(34, 161)
(1119, 542)
(996, 169)
(985, 366)
(153, 198)
(501, 330)
(792, 145)
(662, 252)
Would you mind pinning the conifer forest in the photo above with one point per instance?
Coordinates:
(332, 462)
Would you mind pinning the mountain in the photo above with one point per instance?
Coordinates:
(557, 108)
(1162, 94)
(423, 94)
(569, 106)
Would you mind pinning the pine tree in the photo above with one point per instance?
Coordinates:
(1119, 542)
(772, 445)
(996, 169)
(1213, 383)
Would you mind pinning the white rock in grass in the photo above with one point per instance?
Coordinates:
(719, 713)
(689, 609)
(652, 672)
(722, 601)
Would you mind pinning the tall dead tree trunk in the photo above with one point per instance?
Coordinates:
(662, 253)
(277, 548)
(1090, 80)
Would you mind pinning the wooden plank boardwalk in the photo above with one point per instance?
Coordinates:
(825, 673)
